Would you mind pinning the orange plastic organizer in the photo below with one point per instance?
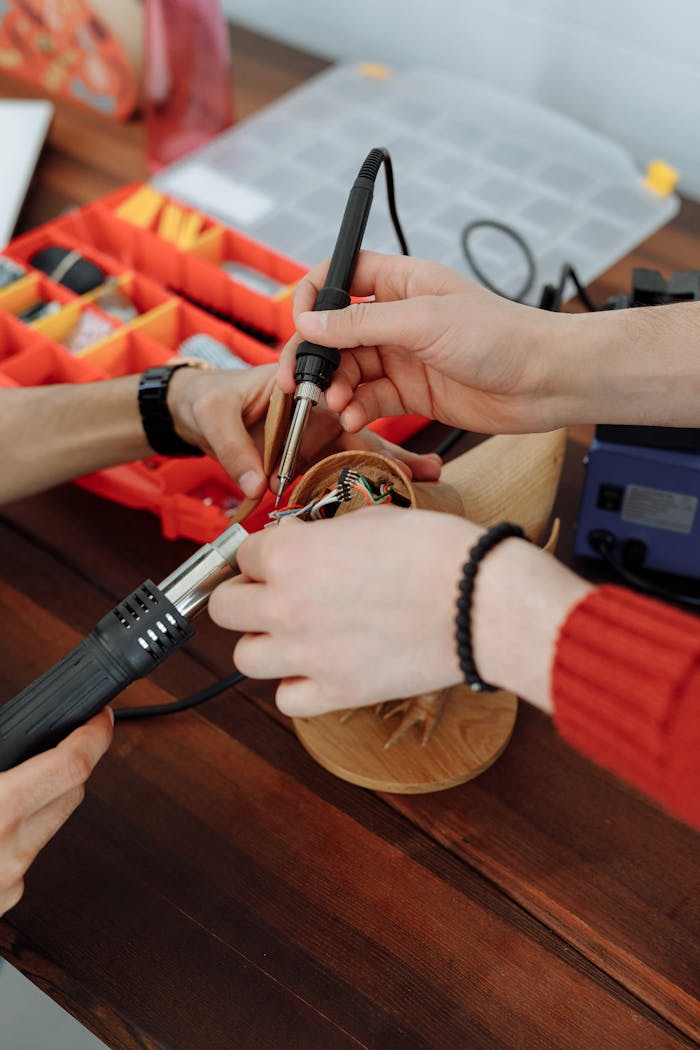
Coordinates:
(177, 293)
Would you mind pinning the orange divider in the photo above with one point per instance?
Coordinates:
(16, 338)
(223, 244)
(52, 234)
(177, 321)
(44, 363)
(143, 206)
(33, 288)
(127, 353)
(127, 246)
(58, 327)
(209, 285)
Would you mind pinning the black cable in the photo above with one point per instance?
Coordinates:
(123, 714)
(568, 273)
(449, 442)
(391, 201)
(517, 238)
(603, 546)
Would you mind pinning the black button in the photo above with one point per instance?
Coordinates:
(610, 496)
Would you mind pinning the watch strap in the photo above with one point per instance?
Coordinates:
(155, 415)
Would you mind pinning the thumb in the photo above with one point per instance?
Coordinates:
(235, 449)
(410, 323)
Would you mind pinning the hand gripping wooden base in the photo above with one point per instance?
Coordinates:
(438, 740)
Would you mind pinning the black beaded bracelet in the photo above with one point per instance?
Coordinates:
(488, 541)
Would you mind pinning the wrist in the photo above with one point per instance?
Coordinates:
(154, 405)
(522, 596)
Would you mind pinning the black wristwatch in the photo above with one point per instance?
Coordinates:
(155, 414)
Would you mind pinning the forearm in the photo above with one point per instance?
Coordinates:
(635, 366)
(51, 434)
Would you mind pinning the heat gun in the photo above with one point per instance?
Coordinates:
(128, 643)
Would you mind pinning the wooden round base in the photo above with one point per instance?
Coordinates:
(473, 731)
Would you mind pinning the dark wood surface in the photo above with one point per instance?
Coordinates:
(218, 889)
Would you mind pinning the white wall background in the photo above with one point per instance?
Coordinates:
(628, 68)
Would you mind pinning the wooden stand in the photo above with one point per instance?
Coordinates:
(438, 740)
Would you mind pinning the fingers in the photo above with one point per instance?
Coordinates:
(239, 456)
(240, 605)
(410, 323)
(372, 401)
(301, 698)
(421, 467)
(385, 276)
(263, 656)
(38, 796)
(40, 780)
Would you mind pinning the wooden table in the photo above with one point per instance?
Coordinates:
(217, 889)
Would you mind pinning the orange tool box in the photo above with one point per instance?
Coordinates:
(165, 259)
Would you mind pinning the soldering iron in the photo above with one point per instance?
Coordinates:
(128, 643)
(316, 364)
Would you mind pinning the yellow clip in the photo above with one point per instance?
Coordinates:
(190, 230)
(141, 207)
(375, 70)
(661, 177)
(170, 223)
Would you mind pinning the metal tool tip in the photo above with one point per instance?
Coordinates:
(280, 490)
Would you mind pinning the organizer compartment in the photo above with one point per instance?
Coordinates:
(44, 363)
(54, 234)
(141, 205)
(143, 293)
(61, 326)
(177, 320)
(35, 287)
(126, 353)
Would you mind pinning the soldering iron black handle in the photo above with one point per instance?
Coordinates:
(316, 364)
(128, 643)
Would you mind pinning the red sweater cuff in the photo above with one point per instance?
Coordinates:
(625, 685)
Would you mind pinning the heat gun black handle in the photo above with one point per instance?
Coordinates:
(127, 643)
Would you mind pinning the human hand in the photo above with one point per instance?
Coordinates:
(375, 619)
(223, 413)
(434, 343)
(38, 796)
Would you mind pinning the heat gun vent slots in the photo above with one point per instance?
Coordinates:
(143, 642)
(122, 620)
(131, 611)
(154, 638)
(173, 623)
(149, 594)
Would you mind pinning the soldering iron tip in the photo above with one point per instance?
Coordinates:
(280, 490)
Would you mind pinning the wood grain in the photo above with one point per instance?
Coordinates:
(473, 731)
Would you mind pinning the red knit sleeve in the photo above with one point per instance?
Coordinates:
(626, 691)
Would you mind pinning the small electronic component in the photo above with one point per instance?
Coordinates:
(251, 278)
(205, 348)
(89, 329)
(350, 483)
(37, 310)
(9, 272)
(114, 302)
(68, 268)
